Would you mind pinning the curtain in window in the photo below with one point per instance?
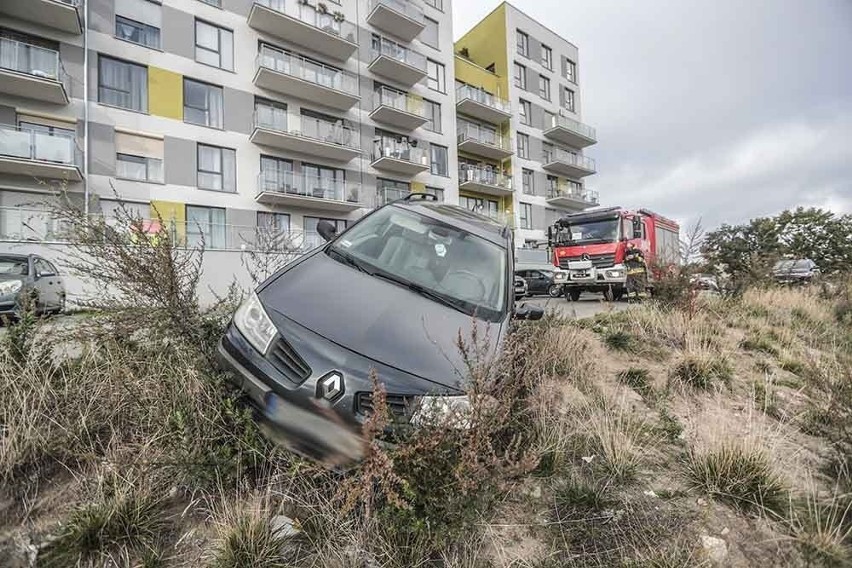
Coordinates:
(123, 84)
(210, 167)
(229, 170)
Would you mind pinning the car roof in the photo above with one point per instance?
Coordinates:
(470, 221)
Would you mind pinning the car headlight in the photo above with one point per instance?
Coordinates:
(560, 277)
(451, 410)
(10, 287)
(253, 322)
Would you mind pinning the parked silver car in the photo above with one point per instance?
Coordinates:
(30, 275)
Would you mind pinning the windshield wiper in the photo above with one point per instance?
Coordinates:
(418, 289)
(350, 260)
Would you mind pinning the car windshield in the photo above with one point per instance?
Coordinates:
(604, 230)
(445, 263)
(793, 265)
(13, 266)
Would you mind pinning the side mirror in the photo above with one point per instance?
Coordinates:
(326, 230)
(44, 275)
(637, 227)
(527, 312)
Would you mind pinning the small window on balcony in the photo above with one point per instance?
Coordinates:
(433, 114)
(437, 77)
(525, 110)
(571, 71)
(544, 87)
(276, 174)
(137, 32)
(523, 43)
(527, 181)
(436, 191)
(526, 216)
(203, 104)
(568, 97)
(216, 3)
(440, 160)
(520, 76)
(523, 146)
(547, 57)
(214, 45)
(391, 190)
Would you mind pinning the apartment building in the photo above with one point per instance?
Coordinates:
(224, 117)
(521, 139)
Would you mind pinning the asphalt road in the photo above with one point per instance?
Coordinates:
(586, 307)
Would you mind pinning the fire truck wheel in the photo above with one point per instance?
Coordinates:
(573, 295)
(609, 294)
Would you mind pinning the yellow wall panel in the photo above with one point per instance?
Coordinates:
(476, 76)
(165, 93)
(418, 187)
(486, 45)
(173, 214)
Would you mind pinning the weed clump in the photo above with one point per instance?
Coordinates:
(702, 371)
(759, 343)
(736, 473)
(637, 379)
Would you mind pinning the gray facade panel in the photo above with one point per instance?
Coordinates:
(178, 32)
(537, 115)
(241, 217)
(239, 107)
(241, 7)
(180, 163)
(8, 115)
(101, 149)
(536, 148)
(538, 216)
(535, 49)
(72, 58)
(102, 16)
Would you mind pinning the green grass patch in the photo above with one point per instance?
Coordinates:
(702, 372)
(759, 343)
(638, 379)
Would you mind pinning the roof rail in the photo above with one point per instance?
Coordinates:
(420, 196)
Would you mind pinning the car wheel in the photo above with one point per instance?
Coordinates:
(61, 308)
(617, 295)
(554, 291)
(573, 295)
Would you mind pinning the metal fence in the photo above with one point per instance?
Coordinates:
(317, 16)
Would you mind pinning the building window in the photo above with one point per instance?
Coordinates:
(217, 168)
(216, 3)
(391, 190)
(440, 161)
(552, 185)
(137, 32)
(324, 182)
(437, 192)
(122, 84)
(547, 57)
(526, 216)
(569, 99)
(139, 168)
(523, 146)
(214, 45)
(203, 104)
(430, 34)
(544, 87)
(437, 78)
(547, 152)
(525, 109)
(487, 207)
(205, 225)
(432, 111)
(312, 238)
(273, 224)
(523, 43)
(438, 4)
(520, 76)
(527, 181)
(571, 71)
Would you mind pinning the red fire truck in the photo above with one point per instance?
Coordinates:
(591, 246)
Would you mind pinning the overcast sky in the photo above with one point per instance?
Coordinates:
(720, 109)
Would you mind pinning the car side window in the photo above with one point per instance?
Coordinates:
(42, 268)
(51, 268)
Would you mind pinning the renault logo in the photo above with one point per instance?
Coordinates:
(330, 387)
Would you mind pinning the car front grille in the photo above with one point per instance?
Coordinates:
(399, 405)
(286, 360)
(598, 260)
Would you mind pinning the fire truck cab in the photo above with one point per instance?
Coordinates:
(591, 247)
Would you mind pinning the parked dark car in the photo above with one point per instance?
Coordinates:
(23, 276)
(798, 271)
(521, 288)
(543, 280)
(389, 295)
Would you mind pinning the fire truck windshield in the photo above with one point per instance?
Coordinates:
(597, 231)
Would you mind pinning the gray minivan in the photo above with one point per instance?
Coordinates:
(29, 274)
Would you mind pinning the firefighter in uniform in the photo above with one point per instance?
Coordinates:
(637, 270)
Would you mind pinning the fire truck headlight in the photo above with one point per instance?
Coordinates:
(617, 273)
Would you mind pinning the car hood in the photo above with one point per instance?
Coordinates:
(6, 277)
(375, 318)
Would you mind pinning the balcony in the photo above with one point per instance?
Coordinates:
(32, 72)
(25, 152)
(296, 76)
(62, 15)
(305, 25)
(399, 158)
(484, 180)
(398, 108)
(397, 62)
(304, 134)
(482, 105)
(570, 132)
(564, 195)
(400, 18)
(300, 190)
(568, 164)
(483, 142)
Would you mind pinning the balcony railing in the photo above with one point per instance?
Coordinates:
(389, 148)
(279, 120)
(572, 125)
(558, 155)
(469, 131)
(398, 52)
(484, 176)
(307, 70)
(292, 183)
(571, 192)
(37, 225)
(27, 144)
(483, 97)
(403, 7)
(309, 14)
(386, 195)
(400, 100)
(31, 59)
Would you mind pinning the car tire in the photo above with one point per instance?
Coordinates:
(617, 295)
(60, 309)
(573, 295)
(554, 291)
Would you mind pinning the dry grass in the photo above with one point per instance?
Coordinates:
(822, 526)
(617, 438)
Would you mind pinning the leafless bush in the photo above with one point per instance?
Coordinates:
(269, 252)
